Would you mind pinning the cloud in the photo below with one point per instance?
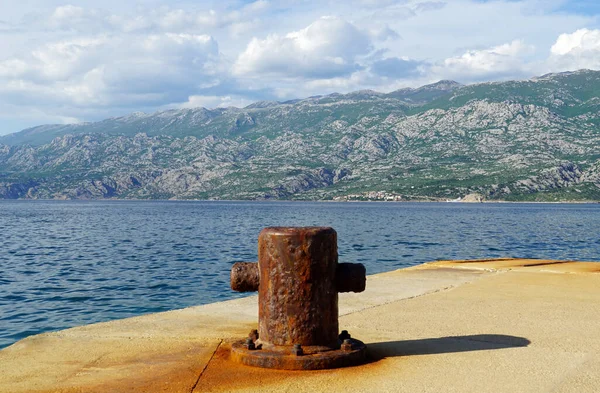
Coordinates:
(162, 19)
(430, 6)
(356, 81)
(327, 48)
(69, 15)
(580, 49)
(384, 33)
(107, 70)
(259, 5)
(375, 3)
(55, 61)
(506, 60)
(196, 101)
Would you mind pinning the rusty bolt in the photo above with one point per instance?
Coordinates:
(250, 344)
(297, 350)
(253, 334)
(344, 335)
(347, 345)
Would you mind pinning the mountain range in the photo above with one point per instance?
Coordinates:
(528, 140)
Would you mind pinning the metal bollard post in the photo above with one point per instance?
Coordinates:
(298, 278)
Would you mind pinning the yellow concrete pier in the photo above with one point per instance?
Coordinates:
(504, 325)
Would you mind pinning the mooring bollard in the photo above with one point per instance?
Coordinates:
(298, 278)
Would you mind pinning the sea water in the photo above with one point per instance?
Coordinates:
(68, 263)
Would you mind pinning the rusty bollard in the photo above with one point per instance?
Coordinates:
(298, 278)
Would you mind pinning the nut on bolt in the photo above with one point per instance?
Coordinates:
(249, 344)
(297, 350)
(347, 345)
(344, 335)
(253, 334)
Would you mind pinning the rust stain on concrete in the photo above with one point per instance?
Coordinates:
(224, 375)
(142, 366)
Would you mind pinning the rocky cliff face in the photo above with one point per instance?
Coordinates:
(527, 140)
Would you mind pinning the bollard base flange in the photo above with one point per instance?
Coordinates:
(313, 358)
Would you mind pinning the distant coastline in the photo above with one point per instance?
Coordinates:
(441, 201)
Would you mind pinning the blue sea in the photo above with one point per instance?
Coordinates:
(69, 263)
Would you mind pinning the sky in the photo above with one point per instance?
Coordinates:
(84, 60)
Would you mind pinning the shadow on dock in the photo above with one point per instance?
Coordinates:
(431, 346)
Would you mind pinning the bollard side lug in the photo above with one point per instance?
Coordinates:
(245, 277)
(351, 277)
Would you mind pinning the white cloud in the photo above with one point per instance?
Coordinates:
(506, 60)
(465, 25)
(328, 47)
(61, 60)
(73, 18)
(67, 12)
(430, 6)
(259, 5)
(161, 19)
(376, 3)
(383, 33)
(580, 49)
(195, 101)
(356, 81)
(107, 70)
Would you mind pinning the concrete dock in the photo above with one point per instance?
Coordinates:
(504, 325)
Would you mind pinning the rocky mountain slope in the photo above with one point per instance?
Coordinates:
(537, 139)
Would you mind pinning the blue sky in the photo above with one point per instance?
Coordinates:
(585, 7)
(85, 60)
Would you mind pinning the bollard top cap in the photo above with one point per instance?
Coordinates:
(295, 231)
